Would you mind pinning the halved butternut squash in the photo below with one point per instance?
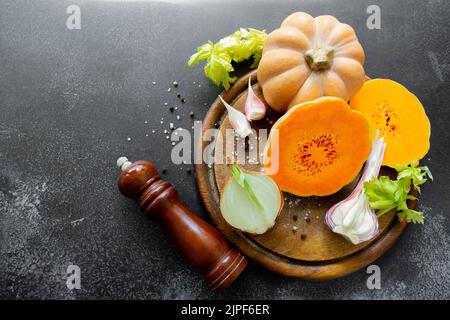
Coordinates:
(399, 116)
(317, 147)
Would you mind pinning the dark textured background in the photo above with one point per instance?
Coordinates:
(70, 99)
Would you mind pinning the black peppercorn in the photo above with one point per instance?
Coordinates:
(303, 236)
(307, 219)
(164, 171)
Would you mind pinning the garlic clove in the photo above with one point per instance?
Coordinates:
(238, 120)
(255, 109)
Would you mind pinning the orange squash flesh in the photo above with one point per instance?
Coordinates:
(322, 146)
(399, 116)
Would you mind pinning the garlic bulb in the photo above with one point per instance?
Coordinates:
(255, 109)
(238, 120)
(353, 217)
(250, 201)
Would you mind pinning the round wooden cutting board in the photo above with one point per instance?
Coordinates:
(300, 244)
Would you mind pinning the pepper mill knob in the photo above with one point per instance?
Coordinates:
(203, 247)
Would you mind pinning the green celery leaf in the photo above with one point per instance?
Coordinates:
(203, 53)
(218, 69)
(239, 177)
(385, 194)
(382, 191)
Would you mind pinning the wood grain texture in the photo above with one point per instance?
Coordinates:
(320, 255)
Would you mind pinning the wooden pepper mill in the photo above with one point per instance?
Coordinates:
(204, 248)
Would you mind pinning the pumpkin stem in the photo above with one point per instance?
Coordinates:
(319, 58)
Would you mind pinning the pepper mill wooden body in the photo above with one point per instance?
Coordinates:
(204, 248)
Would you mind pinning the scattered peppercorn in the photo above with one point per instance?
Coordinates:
(183, 100)
(164, 171)
(188, 171)
(178, 95)
(217, 125)
(171, 109)
(191, 114)
(294, 217)
(175, 84)
(303, 236)
(307, 219)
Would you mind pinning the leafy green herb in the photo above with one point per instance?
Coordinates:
(411, 216)
(239, 177)
(240, 46)
(385, 194)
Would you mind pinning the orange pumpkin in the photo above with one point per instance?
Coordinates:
(307, 58)
(399, 116)
(324, 145)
